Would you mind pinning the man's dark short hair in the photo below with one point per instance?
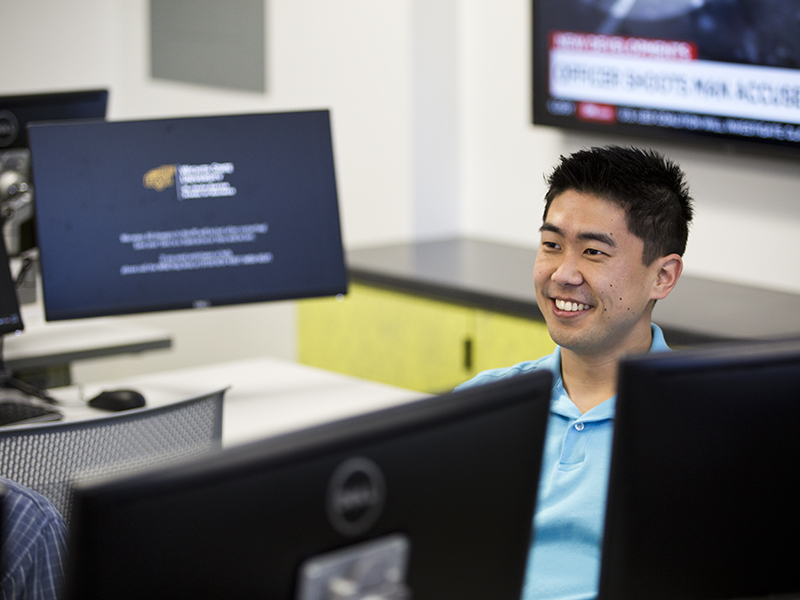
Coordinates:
(650, 189)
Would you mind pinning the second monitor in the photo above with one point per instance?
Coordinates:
(139, 216)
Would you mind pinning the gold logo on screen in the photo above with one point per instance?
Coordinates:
(159, 178)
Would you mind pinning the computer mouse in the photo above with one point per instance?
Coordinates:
(117, 400)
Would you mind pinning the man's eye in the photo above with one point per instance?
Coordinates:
(593, 252)
(550, 245)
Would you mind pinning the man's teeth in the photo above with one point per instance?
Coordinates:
(570, 306)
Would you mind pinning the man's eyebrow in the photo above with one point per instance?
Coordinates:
(603, 238)
(551, 228)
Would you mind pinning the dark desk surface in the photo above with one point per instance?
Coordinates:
(499, 277)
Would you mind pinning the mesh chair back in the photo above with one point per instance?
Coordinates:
(49, 458)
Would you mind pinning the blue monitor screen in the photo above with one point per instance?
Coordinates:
(142, 216)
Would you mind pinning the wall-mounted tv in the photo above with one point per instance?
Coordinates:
(724, 72)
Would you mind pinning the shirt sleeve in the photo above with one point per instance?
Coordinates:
(34, 545)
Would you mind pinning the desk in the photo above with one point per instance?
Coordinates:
(53, 346)
(266, 396)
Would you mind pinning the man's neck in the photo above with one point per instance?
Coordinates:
(591, 378)
(588, 382)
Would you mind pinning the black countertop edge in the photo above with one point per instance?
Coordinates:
(448, 293)
(675, 337)
(493, 276)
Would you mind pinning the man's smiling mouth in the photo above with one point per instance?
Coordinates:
(569, 306)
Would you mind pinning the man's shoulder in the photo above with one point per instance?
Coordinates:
(490, 375)
(16, 492)
(25, 508)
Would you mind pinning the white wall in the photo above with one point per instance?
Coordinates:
(436, 91)
(430, 102)
(351, 56)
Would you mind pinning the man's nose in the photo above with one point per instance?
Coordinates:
(568, 271)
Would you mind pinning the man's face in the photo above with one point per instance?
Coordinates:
(591, 286)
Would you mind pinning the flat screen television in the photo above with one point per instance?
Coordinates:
(701, 501)
(153, 215)
(431, 499)
(725, 73)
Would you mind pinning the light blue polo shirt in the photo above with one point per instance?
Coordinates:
(564, 561)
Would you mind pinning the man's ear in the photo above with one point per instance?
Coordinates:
(669, 271)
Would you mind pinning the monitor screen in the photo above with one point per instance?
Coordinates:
(701, 498)
(430, 499)
(140, 216)
(10, 319)
(721, 72)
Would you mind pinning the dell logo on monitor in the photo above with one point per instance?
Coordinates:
(356, 496)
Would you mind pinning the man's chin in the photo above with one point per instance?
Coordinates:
(577, 340)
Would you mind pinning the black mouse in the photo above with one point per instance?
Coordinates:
(117, 400)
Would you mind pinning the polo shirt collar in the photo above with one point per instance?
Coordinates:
(561, 403)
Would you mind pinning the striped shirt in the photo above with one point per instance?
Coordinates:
(33, 545)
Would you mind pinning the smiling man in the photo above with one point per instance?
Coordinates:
(614, 232)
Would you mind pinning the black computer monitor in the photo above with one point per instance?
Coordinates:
(19, 110)
(11, 324)
(16, 190)
(141, 216)
(701, 501)
(435, 497)
(3, 493)
(10, 318)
